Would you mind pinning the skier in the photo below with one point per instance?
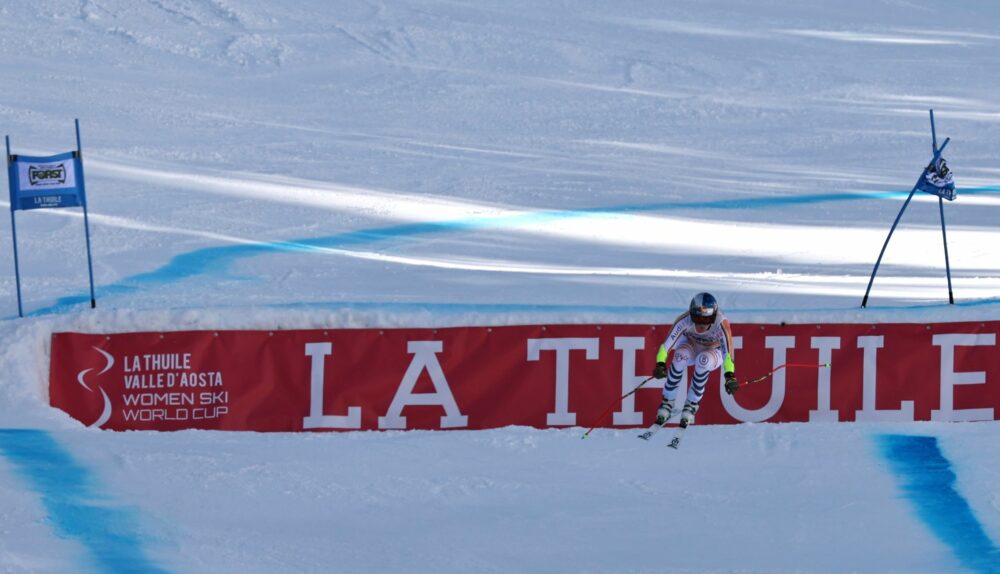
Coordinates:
(701, 337)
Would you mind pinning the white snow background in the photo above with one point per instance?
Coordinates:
(256, 164)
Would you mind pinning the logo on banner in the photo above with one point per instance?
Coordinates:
(109, 361)
(47, 175)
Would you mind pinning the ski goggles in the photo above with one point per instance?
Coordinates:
(700, 320)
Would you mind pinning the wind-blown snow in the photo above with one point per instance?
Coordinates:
(304, 164)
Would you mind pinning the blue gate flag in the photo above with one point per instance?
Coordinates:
(43, 182)
(938, 180)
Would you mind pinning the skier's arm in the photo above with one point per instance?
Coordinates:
(675, 332)
(729, 365)
(661, 355)
(660, 370)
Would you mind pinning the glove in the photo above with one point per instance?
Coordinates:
(660, 372)
(732, 385)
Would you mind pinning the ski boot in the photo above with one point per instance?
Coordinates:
(664, 412)
(687, 415)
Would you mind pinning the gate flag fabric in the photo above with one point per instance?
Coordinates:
(534, 375)
(45, 182)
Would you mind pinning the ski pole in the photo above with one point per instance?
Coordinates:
(628, 394)
(612, 405)
(778, 368)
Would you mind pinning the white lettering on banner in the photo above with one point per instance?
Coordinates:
(162, 387)
(174, 414)
(318, 352)
(869, 413)
(173, 406)
(562, 347)
(150, 381)
(221, 397)
(628, 415)
(47, 200)
(629, 347)
(424, 358)
(198, 379)
(155, 400)
(171, 380)
(824, 413)
(950, 379)
(780, 345)
(158, 362)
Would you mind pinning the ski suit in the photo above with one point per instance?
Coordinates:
(707, 351)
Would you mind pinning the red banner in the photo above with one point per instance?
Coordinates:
(488, 377)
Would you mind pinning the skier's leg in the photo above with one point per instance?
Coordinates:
(683, 353)
(705, 363)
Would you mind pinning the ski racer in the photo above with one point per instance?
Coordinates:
(701, 337)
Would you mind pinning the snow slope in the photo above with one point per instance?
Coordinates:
(256, 164)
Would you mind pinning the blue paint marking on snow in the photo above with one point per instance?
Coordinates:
(928, 481)
(411, 307)
(75, 504)
(216, 260)
(508, 308)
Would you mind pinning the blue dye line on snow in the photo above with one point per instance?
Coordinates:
(564, 309)
(506, 308)
(219, 259)
(928, 481)
(75, 504)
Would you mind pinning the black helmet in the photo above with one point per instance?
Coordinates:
(704, 308)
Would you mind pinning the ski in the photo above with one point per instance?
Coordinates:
(652, 430)
(675, 442)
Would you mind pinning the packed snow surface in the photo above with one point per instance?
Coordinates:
(262, 165)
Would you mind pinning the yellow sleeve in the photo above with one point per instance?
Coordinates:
(661, 356)
(729, 364)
